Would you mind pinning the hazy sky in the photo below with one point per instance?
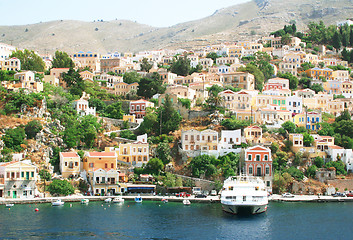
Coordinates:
(157, 13)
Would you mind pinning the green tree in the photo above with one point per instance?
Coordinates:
(180, 66)
(169, 118)
(317, 88)
(311, 171)
(44, 175)
(61, 187)
(150, 124)
(319, 162)
(337, 41)
(151, 86)
(307, 139)
(286, 39)
(145, 65)
(32, 128)
(289, 127)
(295, 173)
(339, 166)
(213, 56)
(131, 77)
(154, 166)
(74, 81)
(114, 110)
(62, 60)
(293, 80)
(202, 166)
(13, 138)
(233, 123)
(128, 134)
(164, 153)
(185, 102)
(29, 60)
(169, 180)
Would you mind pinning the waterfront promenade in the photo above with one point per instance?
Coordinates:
(209, 199)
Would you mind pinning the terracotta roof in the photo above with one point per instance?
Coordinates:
(335, 147)
(102, 154)
(8, 163)
(69, 154)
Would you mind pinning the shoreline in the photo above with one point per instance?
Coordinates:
(209, 199)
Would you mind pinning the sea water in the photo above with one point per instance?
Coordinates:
(157, 220)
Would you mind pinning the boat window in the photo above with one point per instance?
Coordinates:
(244, 198)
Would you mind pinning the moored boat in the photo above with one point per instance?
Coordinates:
(186, 202)
(84, 201)
(138, 199)
(9, 205)
(118, 200)
(107, 200)
(164, 200)
(58, 203)
(244, 194)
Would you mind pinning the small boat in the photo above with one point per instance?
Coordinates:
(164, 200)
(108, 200)
(138, 199)
(186, 202)
(84, 201)
(118, 200)
(9, 205)
(58, 203)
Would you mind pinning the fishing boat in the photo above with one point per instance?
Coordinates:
(108, 200)
(244, 194)
(186, 202)
(58, 203)
(118, 200)
(138, 199)
(84, 201)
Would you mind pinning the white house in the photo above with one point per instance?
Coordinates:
(294, 104)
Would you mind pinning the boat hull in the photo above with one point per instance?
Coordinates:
(239, 209)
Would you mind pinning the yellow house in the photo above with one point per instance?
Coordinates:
(70, 164)
(135, 154)
(96, 160)
(316, 73)
(253, 134)
(129, 118)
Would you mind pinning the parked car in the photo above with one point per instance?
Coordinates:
(183, 194)
(201, 196)
(287, 195)
(349, 194)
(213, 193)
(339, 194)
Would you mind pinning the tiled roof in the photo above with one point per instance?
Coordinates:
(69, 154)
(101, 154)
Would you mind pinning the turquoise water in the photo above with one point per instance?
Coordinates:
(155, 220)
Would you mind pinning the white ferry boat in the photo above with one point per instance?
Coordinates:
(244, 194)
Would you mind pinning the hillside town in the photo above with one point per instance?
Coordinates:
(167, 120)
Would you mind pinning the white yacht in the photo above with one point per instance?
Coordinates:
(244, 194)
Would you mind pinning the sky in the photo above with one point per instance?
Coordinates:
(157, 13)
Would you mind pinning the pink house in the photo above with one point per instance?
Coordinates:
(258, 162)
(138, 108)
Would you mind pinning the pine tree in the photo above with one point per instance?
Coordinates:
(336, 41)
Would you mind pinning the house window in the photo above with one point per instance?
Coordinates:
(91, 165)
(266, 158)
(65, 164)
(267, 170)
(76, 164)
(214, 137)
(112, 165)
(250, 170)
(22, 174)
(186, 147)
(257, 157)
(106, 165)
(32, 174)
(249, 157)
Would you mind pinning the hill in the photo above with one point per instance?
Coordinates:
(243, 21)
